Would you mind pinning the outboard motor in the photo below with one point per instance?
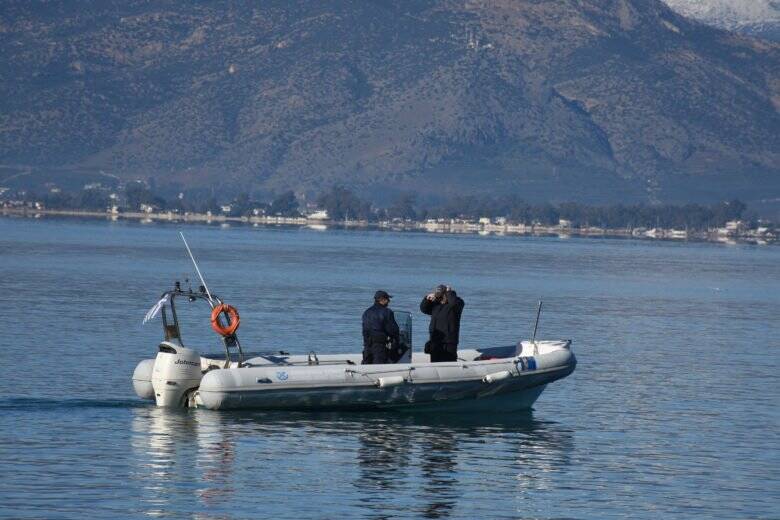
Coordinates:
(173, 377)
(175, 374)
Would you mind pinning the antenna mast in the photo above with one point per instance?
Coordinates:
(211, 302)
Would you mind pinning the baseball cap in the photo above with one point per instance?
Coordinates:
(381, 294)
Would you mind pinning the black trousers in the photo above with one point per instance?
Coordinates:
(441, 352)
(375, 354)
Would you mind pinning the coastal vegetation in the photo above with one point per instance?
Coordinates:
(340, 203)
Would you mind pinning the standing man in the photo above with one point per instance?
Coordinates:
(380, 331)
(444, 307)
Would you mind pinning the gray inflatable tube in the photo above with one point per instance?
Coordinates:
(499, 379)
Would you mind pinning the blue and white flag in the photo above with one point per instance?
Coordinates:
(154, 310)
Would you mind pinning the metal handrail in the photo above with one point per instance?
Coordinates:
(175, 331)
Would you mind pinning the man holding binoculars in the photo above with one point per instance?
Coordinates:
(445, 308)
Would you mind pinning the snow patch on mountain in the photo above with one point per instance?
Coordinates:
(753, 17)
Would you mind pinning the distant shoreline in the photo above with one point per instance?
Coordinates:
(441, 226)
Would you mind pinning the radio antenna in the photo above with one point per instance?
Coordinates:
(196, 268)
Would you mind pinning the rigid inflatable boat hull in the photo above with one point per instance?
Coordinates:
(455, 386)
(367, 399)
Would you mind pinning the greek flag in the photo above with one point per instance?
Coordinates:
(154, 310)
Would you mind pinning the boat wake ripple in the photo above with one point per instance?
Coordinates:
(30, 403)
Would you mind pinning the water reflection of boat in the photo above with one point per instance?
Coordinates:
(505, 378)
(381, 457)
(168, 440)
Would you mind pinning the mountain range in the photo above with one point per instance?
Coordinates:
(595, 101)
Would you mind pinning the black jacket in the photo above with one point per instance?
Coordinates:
(379, 325)
(445, 319)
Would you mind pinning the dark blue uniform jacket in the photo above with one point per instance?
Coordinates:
(379, 325)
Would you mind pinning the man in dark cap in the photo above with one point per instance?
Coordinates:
(380, 331)
(445, 308)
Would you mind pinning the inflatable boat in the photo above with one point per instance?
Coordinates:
(504, 378)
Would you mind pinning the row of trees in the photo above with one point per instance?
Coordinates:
(690, 216)
(515, 209)
(342, 203)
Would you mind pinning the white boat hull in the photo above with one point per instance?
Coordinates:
(478, 382)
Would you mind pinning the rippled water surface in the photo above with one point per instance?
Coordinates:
(673, 410)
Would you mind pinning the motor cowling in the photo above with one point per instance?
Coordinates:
(177, 372)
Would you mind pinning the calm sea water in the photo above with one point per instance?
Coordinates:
(672, 412)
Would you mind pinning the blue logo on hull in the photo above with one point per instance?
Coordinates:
(526, 363)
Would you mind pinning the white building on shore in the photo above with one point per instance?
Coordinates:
(321, 214)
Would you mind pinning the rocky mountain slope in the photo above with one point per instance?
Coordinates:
(588, 100)
(751, 17)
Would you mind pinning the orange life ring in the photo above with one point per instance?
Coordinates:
(233, 319)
